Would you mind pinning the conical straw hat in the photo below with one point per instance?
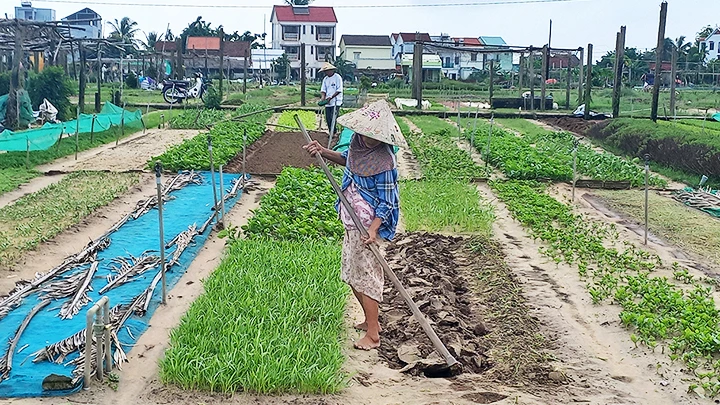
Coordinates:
(375, 121)
(328, 66)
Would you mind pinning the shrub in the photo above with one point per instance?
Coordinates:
(213, 98)
(52, 84)
(131, 81)
(4, 83)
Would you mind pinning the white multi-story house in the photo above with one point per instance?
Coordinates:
(368, 52)
(711, 45)
(313, 26)
(458, 60)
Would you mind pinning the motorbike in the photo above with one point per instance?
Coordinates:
(175, 91)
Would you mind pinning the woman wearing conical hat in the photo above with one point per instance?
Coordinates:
(370, 185)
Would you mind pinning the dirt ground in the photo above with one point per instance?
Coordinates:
(576, 125)
(542, 339)
(276, 150)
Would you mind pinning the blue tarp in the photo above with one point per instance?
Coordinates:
(191, 205)
(716, 117)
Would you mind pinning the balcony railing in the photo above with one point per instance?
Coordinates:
(291, 36)
(323, 57)
(293, 56)
(325, 37)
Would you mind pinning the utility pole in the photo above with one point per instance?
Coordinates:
(658, 61)
(302, 74)
(417, 71)
(521, 73)
(588, 86)
(619, 63)
(673, 71)
(545, 68)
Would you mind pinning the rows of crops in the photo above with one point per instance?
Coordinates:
(438, 155)
(199, 118)
(680, 318)
(308, 118)
(276, 301)
(227, 138)
(542, 154)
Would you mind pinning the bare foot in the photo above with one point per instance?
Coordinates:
(363, 327)
(367, 343)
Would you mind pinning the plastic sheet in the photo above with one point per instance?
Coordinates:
(190, 205)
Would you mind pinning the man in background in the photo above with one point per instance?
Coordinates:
(331, 94)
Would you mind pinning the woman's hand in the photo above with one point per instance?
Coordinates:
(373, 232)
(314, 148)
(372, 237)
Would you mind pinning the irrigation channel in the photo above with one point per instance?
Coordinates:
(42, 321)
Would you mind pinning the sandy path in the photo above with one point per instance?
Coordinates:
(132, 153)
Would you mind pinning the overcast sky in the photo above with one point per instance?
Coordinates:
(575, 22)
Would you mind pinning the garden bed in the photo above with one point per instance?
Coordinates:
(275, 151)
(482, 331)
(575, 125)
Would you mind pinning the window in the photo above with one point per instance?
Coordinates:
(473, 57)
(712, 45)
(292, 52)
(457, 60)
(356, 55)
(325, 34)
(291, 32)
(325, 52)
(312, 30)
(303, 30)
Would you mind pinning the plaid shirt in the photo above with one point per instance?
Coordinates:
(381, 192)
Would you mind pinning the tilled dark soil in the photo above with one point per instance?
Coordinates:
(576, 125)
(474, 303)
(276, 150)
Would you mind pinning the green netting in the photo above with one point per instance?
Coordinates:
(716, 116)
(46, 136)
(712, 211)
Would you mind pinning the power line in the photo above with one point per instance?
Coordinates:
(237, 6)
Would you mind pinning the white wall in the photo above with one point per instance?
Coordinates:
(715, 52)
(371, 57)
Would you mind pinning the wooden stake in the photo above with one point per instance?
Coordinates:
(99, 76)
(543, 85)
(588, 81)
(245, 71)
(221, 34)
(492, 80)
(77, 131)
(302, 74)
(569, 84)
(581, 77)
(83, 78)
(417, 71)
(673, 71)
(658, 62)
(619, 63)
(531, 73)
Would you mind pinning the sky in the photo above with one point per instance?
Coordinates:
(575, 22)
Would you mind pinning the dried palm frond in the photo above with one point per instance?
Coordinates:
(57, 352)
(128, 268)
(24, 287)
(80, 297)
(6, 360)
(174, 184)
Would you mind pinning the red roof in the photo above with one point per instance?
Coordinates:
(238, 49)
(203, 43)
(410, 37)
(315, 14)
(169, 46)
(470, 41)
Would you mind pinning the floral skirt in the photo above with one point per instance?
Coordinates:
(360, 268)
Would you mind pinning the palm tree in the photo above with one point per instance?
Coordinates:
(124, 30)
(151, 38)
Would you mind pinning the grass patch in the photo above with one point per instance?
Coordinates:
(308, 118)
(431, 124)
(39, 216)
(523, 126)
(442, 206)
(685, 227)
(11, 178)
